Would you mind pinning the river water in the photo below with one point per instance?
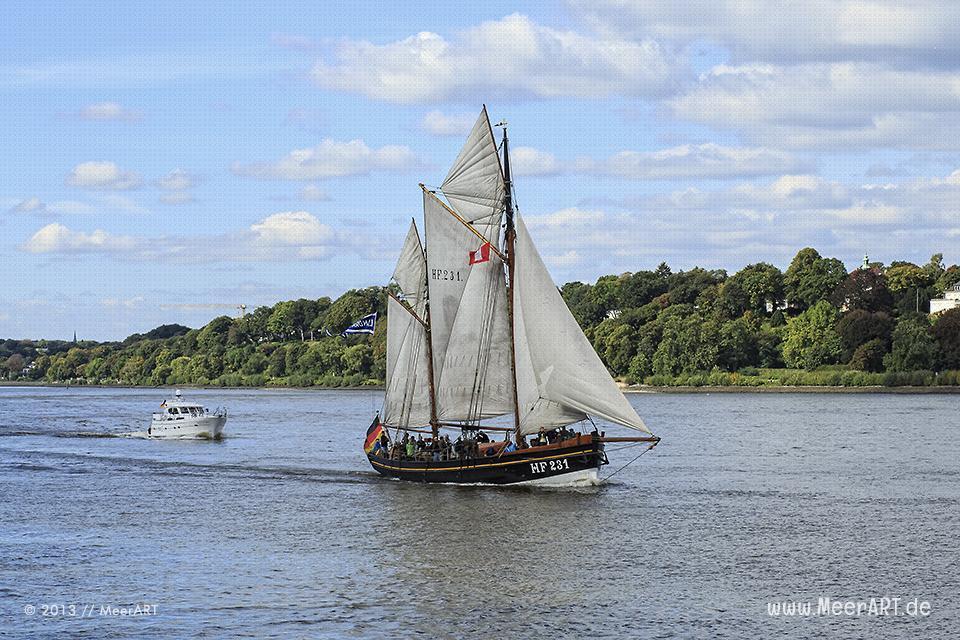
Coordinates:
(283, 530)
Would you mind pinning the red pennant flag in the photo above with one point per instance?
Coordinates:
(480, 255)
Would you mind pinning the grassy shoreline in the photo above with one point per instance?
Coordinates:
(641, 388)
(791, 389)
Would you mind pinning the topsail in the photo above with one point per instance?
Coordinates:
(474, 186)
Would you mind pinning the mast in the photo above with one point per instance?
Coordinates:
(434, 422)
(509, 238)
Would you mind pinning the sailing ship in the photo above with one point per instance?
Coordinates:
(476, 330)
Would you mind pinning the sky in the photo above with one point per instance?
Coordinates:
(168, 162)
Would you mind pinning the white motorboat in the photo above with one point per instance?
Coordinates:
(180, 419)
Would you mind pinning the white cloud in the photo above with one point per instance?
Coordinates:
(700, 161)
(527, 161)
(128, 303)
(108, 111)
(29, 205)
(915, 32)
(121, 203)
(767, 221)
(838, 105)
(507, 57)
(312, 192)
(284, 236)
(56, 238)
(685, 161)
(566, 259)
(176, 185)
(111, 201)
(102, 175)
(291, 228)
(565, 218)
(176, 197)
(332, 159)
(441, 124)
(176, 180)
(70, 207)
(293, 41)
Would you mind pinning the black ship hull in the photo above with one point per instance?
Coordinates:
(570, 463)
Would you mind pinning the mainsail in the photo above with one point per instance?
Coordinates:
(407, 401)
(458, 287)
(468, 322)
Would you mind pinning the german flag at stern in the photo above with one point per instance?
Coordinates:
(373, 434)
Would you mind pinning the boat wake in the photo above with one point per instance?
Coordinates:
(148, 436)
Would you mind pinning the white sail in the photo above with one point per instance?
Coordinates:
(448, 250)
(474, 186)
(411, 272)
(559, 375)
(474, 382)
(468, 322)
(407, 401)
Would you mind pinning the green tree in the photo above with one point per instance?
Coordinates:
(215, 333)
(640, 288)
(688, 344)
(280, 324)
(863, 289)
(353, 305)
(762, 283)
(950, 277)
(15, 363)
(811, 340)
(358, 358)
(913, 347)
(739, 343)
(616, 343)
(946, 331)
(648, 339)
(278, 363)
(132, 371)
(858, 327)
(869, 356)
(606, 294)
(811, 278)
(580, 301)
(255, 363)
(906, 276)
(686, 286)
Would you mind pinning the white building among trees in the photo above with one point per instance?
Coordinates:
(950, 300)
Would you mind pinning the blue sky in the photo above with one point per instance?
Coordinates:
(167, 162)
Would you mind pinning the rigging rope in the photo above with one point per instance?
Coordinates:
(603, 480)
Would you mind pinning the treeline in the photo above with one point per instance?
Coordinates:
(293, 343)
(815, 323)
(661, 327)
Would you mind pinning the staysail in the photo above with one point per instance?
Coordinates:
(407, 401)
(560, 378)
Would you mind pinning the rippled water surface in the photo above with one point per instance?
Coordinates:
(283, 529)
